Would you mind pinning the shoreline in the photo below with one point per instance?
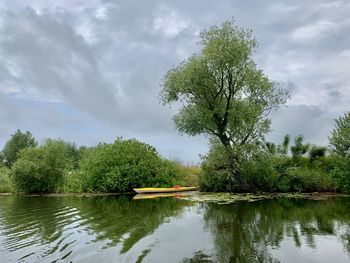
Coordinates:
(261, 194)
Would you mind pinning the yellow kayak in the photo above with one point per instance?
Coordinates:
(157, 195)
(164, 190)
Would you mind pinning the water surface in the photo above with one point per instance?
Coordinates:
(120, 229)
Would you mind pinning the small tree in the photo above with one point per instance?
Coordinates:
(299, 148)
(283, 148)
(223, 93)
(19, 140)
(317, 152)
(41, 169)
(340, 136)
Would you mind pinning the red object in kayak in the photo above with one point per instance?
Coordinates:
(176, 186)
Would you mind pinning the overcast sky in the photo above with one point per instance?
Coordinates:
(90, 71)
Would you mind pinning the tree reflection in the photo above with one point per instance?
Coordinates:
(120, 219)
(241, 232)
(246, 232)
(34, 218)
(50, 222)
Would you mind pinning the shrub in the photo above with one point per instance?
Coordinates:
(260, 173)
(341, 173)
(6, 184)
(73, 182)
(41, 169)
(302, 179)
(211, 180)
(124, 165)
(215, 175)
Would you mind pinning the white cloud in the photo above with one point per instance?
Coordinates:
(320, 29)
(170, 24)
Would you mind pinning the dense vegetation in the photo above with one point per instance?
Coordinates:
(124, 165)
(278, 171)
(58, 166)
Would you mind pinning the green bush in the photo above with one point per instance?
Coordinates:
(260, 173)
(214, 180)
(6, 184)
(73, 182)
(302, 179)
(214, 175)
(41, 169)
(341, 173)
(124, 165)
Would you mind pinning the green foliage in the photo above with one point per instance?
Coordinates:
(188, 175)
(6, 184)
(299, 149)
(261, 173)
(73, 182)
(340, 136)
(224, 93)
(270, 169)
(215, 175)
(181, 175)
(41, 169)
(302, 179)
(341, 173)
(283, 148)
(124, 165)
(317, 152)
(19, 140)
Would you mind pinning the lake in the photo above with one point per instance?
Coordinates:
(120, 229)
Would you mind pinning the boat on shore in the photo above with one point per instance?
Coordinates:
(151, 190)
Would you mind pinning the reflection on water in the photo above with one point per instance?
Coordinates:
(119, 229)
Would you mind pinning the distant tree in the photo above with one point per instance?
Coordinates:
(283, 148)
(224, 93)
(299, 148)
(340, 136)
(18, 141)
(317, 152)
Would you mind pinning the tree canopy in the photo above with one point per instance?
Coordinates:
(18, 141)
(340, 136)
(223, 92)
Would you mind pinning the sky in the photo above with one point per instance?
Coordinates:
(90, 71)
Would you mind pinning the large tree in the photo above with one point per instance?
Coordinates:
(340, 136)
(223, 92)
(18, 141)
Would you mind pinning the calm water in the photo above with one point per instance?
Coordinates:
(119, 229)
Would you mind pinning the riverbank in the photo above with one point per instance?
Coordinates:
(197, 196)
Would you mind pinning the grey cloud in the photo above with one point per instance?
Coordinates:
(311, 121)
(46, 58)
(106, 59)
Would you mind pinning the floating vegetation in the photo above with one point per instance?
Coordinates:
(229, 198)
